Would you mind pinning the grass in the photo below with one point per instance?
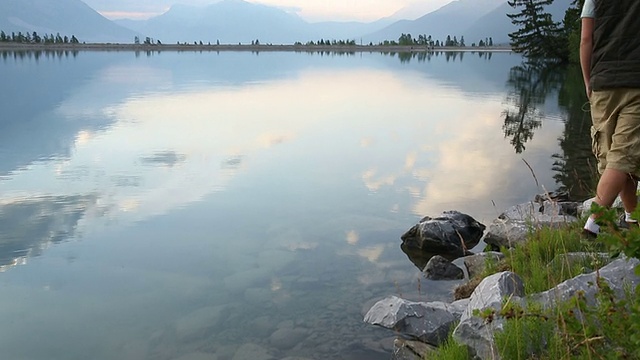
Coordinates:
(572, 330)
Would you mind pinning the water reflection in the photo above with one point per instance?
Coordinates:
(426, 56)
(575, 165)
(236, 198)
(30, 225)
(34, 86)
(164, 158)
(531, 84)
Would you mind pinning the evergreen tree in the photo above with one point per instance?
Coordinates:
(538, 36)
(462, 41)
(3, 36)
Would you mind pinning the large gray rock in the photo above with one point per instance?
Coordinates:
(514, 225)
(492, 291)
(478, 336)
(619, 274)
(450, 233)
(429, 322)
(473, 331)
(439, 268)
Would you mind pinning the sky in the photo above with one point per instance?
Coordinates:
(310, 10)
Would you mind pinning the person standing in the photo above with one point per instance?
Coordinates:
(610, 63)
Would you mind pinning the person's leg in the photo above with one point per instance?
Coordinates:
(616, 140)
(612, 183)
(629, 196)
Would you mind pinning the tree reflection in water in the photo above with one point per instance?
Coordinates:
(530, 84)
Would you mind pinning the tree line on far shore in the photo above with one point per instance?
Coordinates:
(35, 38)
(403, 40)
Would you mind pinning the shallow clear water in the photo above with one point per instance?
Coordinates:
(223, 205)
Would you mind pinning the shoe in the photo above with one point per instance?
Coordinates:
(623, 224)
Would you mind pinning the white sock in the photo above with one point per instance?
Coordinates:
(592, 226)
(627, 217)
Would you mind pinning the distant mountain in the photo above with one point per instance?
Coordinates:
(415, 10)
(228, 21)
(497, 25)
(67, 17)
(238, 21)
(473, 19)
(451, 19)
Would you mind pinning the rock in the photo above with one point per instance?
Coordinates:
(451, 233)
(428, 322)
(492, 291)
(410, 350)
(439, 268)
(252, 352)
(619, 274)
(199, 324)
(473, 331)
(478, 336)
(198, 356)
(514, 225)
(286, 338)
(458, 307)
(476, 263)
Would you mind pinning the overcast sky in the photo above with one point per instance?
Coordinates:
(310, 10)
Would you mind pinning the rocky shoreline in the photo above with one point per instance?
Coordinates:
(425, 325)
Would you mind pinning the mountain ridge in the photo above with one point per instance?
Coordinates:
(239, 21)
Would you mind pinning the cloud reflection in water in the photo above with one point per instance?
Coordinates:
(29, 225)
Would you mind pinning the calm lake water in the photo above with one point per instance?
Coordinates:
(239, 206)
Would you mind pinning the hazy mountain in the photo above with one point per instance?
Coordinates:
(67, 17)
(497, 25)
(451, 19)
(229, 21)
(473, 19)
(414, 10)
(238, 21)
(348, 30)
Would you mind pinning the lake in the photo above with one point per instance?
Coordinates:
(238, 205)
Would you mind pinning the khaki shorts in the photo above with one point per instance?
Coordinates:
(615, 134)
